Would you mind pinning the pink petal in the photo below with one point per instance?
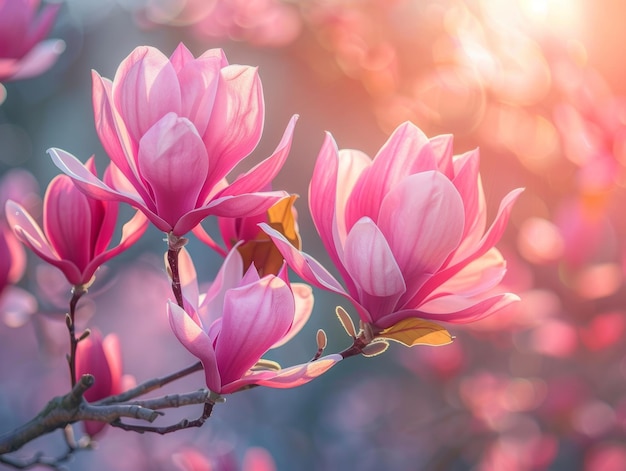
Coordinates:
(460, 309)
(310, 270)
(228, 277)
(322, 193)
(91, 359)
(28, 231)
(217, 53)
(422, 220)
(113, 353)
(181, 57)
(236, 121)
(304, 265)
(203, 236)
(370, 262)
(491, 238)
(287, 378)
(230, 206)
(145, 89)
(352, 164)
(262, 174)
(13, 256)
(443, 150)
(255, 317)
(406, 152)
(477, 277)
(188, 278)
(39, 59)
(119, 146)
(196, 341)
(327, 199)
(174, 164)
(199, 79)
(68, 221)
(94, 187)
(468, 184)
(303, 297)
(371, 265)
(131, 233)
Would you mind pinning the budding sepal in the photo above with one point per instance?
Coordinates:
(346, 321)
(375, 348)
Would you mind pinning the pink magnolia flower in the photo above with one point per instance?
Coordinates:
(239, 320)
(77, 229)
(23, 51)
(174, 128)
(102, 359)
(406, 231)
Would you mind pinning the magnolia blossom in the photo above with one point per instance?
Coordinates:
(406, 230)
(174, 128)
(241, 317)
(23, 51)
(77, 229)
(102, 359)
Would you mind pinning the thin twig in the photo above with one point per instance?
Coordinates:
(174, 400)
(183, 424)
(150, 385)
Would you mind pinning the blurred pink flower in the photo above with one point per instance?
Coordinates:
(77, 229)
(255, 459)
(259, 22)
(174, 128)
(270, 23)
(16, 304)
(406, 231)
(239, 320)
(102, 359)
(23, 51)
(12, 257)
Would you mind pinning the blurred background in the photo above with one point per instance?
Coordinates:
(537, 85)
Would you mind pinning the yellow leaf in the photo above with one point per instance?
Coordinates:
(413, 331)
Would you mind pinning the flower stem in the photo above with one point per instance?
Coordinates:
(77, 293)
(174, 245)
(355, 349)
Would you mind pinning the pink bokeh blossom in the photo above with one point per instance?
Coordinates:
(101, 358)
(24, 52)
(406, 231)
(174, 128)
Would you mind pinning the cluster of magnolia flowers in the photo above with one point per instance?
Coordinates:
(406, 230)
